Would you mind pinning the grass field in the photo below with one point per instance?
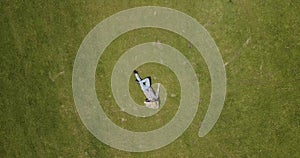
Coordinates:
(259, 41)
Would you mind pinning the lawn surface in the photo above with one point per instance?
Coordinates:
(259, 41)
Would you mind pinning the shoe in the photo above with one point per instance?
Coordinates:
(134, 71)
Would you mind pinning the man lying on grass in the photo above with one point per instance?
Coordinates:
(152, 98)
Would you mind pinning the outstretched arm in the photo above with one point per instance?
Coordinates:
(137, 76)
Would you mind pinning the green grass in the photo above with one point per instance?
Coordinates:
(261, 116)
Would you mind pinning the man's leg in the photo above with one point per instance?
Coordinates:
(157, 91)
